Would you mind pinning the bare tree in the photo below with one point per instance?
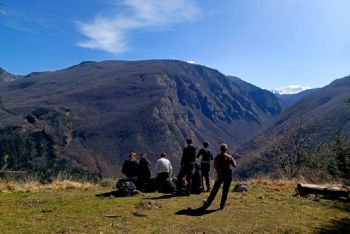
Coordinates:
(286, 151)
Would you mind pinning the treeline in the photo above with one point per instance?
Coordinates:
(35, 147)
(299, 152)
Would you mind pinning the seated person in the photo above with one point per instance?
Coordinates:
(130, 167)
(163, 170)
(144, 171)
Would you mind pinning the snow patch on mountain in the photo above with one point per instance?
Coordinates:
(290, 89)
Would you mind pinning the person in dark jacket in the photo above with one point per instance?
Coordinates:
(130, 167)
(222, 164)
(144, 171)
(205, 164)
(187, 163)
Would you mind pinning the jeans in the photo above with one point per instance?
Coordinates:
(205, 174)
(226, 180)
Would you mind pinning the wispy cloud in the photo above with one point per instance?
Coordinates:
(23, 20)
(108, 33)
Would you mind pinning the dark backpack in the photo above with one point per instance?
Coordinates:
(169, 186)
(126, 187)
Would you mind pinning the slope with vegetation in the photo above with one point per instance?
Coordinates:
(310, 138)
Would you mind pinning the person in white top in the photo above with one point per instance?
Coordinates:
(163, 169)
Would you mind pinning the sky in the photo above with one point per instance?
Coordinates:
(269, 43)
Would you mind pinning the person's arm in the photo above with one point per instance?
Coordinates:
(210, 155)
(157, 167)
(216, 164)
(233, 162)
(124, 168)
(183, 157)
(199, 153)
(170, 169)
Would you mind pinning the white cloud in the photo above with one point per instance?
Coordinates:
(109, 32)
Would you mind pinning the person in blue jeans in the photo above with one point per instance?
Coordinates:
(205, 164)
(223, 164)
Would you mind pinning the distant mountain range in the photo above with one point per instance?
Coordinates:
(290, 89)
(96, 113)
(290, 99)
(323, 112)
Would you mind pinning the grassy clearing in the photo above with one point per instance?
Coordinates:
(269, 207)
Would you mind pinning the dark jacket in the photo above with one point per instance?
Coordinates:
(206, 155)
(144, 169)
(188, 156)
(130, 168)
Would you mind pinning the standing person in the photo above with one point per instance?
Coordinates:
(188, 161)
(163, 169)
(222, 164)
(205, 164)
(130, 167)
(144, 171)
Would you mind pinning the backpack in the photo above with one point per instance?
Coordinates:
(169, 186)
(126, 187)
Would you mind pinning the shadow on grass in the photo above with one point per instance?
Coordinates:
(108, 194)
(195, 212)
(336, 226)
(165, 196)
(116, 193)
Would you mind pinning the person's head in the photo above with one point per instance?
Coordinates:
(189, 141)
(143, 156)
(223, 148)
(132, 156)
(162, 155)
(205, 144)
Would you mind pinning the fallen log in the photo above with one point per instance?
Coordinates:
(333, 192)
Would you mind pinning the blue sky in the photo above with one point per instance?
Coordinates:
(269, 43)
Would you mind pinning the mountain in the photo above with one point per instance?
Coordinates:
(290, 89)
(264, 99)
(95, 113)
(6, 76)
(321, 114)
(290, 99)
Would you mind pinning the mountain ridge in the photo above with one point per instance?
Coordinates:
(145, 106)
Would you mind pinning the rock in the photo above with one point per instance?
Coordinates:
(241, 188)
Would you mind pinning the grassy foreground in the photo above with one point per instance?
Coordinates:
(269, 207)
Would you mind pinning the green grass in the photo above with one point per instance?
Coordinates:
(266, 208)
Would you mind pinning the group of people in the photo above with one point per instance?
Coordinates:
(191, 176)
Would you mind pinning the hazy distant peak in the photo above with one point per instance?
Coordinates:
(290, 89)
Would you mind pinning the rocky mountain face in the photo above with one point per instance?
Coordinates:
(319, 114)
(6, 76)
(115, 107)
